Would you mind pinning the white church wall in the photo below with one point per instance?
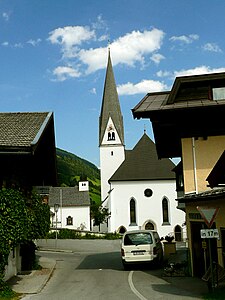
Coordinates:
(147, 208)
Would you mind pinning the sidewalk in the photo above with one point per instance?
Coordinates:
(33, 282)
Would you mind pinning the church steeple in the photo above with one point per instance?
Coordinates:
(111, 133)
(110, 109)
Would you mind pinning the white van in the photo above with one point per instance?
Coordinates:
(141, 246)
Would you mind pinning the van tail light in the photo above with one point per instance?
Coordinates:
(122, 252)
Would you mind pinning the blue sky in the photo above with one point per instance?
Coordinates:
(53, 56)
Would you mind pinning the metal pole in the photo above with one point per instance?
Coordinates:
(211, 266)
(56, 233)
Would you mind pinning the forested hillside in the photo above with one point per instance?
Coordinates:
(71, 169)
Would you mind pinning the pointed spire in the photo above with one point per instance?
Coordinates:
(110, 105)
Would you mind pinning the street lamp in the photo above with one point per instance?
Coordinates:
(56, 208)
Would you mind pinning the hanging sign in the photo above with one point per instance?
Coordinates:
(208, 214)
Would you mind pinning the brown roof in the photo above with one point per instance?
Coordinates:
(70, 196)
(22, 129)
(142, 163)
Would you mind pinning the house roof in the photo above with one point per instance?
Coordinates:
(110, 105)
(69, 196)
(142, 163)
(217, 175)
(213, 194)
(22, 131)
(188, 110)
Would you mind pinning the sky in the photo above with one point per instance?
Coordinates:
(53, 57)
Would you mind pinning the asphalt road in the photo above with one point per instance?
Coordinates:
(94, 272)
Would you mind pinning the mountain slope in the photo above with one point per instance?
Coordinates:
(71, 169)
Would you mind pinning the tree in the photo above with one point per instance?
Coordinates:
(98, 213)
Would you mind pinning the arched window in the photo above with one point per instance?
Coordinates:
(69, 221)
(178, 233)
(122, 230)
(132, 212)
(109, 136)
(149, 226)
(113, 136)
(165, 211)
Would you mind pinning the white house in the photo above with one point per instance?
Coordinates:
(138, 189)
(73, 206)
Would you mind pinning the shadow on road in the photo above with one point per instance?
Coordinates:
(110, 260)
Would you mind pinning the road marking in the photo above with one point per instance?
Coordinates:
(132, 287)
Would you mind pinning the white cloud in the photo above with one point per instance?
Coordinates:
(128, 49)
(18, 45)
(5, 44)
(186, 39)
(93, 91)
(34, 42)
(70, 37)
(198, 71)
(211, 47)
(62, 73)
(163, 73)
(143, 87)
(5, 16)
(156, 57)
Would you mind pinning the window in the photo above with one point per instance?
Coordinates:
(132, 212)
(148, 193)
(165, 211)
(218, 93)
(109, 136)
(149, 226)
(178, 233)
(69, 221)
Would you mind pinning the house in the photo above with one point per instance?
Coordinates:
(73, 207)
(188, 122)
(136, 187)
(27, 150)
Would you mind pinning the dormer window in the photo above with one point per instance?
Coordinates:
(218, 93)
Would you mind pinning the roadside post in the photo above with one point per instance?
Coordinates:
(209, 215)
(56, 208)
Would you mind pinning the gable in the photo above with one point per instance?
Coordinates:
(142, 163)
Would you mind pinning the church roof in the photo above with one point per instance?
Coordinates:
(142, 163)
(70, 196)
(110, 105)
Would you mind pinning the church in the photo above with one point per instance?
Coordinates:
(138, 189)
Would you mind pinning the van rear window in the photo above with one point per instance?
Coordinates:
(137, 239)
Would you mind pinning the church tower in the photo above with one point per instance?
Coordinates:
(111, 133)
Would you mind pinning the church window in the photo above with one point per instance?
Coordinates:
(178, 233)
(132, 212)
(149, 226)
(111, 153)
(113, 136)
(165, 211)
(109, 136)
(69, 221)
(148, 193)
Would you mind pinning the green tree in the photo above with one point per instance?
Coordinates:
(22, 219)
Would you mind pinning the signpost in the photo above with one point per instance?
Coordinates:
(209, 215)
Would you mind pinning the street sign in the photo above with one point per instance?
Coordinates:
(209, 233)
(208, 214)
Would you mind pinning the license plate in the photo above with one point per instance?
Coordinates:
(138, 253)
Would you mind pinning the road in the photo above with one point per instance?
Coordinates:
(96, 273)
